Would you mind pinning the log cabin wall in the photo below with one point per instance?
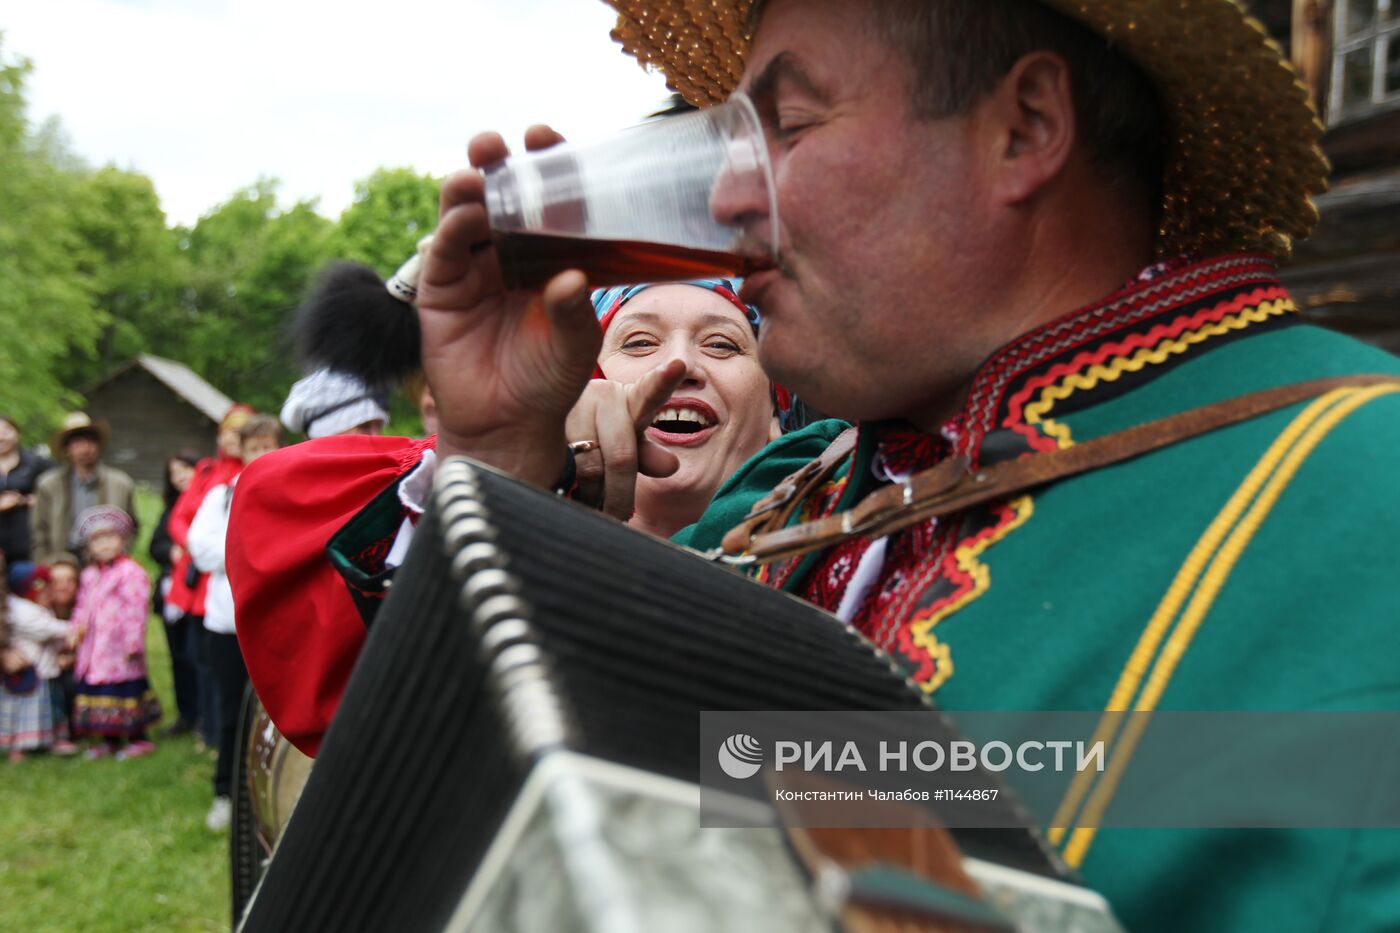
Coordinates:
(149, 422)
(1347, 53)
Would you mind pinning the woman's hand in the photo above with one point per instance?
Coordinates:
(616, 416)
(505, 367)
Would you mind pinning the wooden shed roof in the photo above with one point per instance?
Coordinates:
(180, 379)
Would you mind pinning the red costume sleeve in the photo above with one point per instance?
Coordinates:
(297, 625)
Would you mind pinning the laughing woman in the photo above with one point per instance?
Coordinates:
(722, 411)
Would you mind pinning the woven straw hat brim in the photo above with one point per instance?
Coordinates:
(1243, 155)
(79, 424)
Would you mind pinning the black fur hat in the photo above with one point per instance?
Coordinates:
(353, 322)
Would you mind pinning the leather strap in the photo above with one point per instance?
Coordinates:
(775, 509)
(953, 485)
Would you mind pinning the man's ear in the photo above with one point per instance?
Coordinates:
(775, 429)
(1031, 117)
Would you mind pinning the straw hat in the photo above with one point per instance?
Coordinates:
(1244, 156)
(78, 422)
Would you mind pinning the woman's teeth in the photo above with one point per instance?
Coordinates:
(681, 421)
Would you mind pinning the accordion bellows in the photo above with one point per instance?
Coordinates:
(523, 631)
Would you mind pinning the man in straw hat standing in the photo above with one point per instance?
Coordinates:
(1010, 229)
(82, 482)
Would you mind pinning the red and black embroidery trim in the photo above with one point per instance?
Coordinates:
(920, 578)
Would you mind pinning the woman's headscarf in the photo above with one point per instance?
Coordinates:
(608, 301)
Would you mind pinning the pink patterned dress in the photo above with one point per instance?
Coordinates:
(114, 698)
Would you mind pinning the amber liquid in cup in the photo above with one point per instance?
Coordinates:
(529, 260)
(683, 198)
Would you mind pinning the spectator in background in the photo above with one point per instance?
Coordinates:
(82, 482)
(115, 701)
(55, 587)
(30, 644)
(179, 470)
(326, 403)
(260, 435)
(187, 584)
(427, 408)
(19, 471)
(416, 390)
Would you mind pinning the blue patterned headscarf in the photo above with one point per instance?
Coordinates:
(607, 302)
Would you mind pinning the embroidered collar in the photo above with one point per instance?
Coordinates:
(1165, 298)
(897, 590)
(902, 450)
(1157, 302)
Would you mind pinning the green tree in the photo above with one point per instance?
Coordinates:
(130, 264)
(91, 275)
(393, 209)
(46, 309)
(250, 263)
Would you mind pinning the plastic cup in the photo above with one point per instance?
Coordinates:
(682, 197)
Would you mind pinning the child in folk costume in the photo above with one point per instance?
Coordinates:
(54, 587)
(30, 642)
(114, 699)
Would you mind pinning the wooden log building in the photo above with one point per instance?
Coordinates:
(1347, 53)
(155, 407)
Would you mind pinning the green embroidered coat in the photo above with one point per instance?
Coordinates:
(1248, 569)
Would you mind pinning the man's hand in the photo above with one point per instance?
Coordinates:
(10, 499)
(505, 367)
(617, 415)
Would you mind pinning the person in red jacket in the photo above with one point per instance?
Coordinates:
(312, 548)
(187, 584)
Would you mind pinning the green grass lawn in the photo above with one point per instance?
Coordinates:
(114, 845)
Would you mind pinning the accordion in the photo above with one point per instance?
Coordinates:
(518, 750)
